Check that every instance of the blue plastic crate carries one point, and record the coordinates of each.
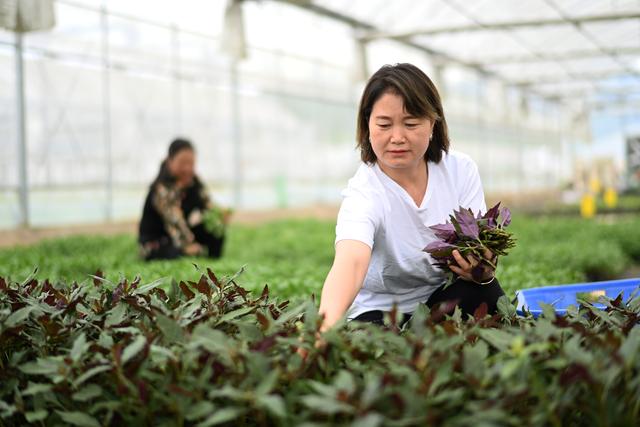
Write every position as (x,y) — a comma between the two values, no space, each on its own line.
(563,296)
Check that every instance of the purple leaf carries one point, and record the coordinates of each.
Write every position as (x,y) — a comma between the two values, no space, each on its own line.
(505,219)
(439,249)
(446,232)
(468,224)
(492,215)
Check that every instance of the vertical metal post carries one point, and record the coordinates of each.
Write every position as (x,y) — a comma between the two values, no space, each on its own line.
(522,117)
(438,76)
(236,135)
(23,189)
(177,79)
(560,172)
(106,108)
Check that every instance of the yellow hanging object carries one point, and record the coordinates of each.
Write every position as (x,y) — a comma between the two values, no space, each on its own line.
(588,206)
(610,198)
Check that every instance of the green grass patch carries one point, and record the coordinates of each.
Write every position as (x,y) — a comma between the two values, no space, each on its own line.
(294,256)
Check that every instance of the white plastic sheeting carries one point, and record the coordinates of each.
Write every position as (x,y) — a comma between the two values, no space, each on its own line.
(297,93)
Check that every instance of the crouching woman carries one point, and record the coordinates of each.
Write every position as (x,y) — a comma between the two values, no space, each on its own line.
(172,219)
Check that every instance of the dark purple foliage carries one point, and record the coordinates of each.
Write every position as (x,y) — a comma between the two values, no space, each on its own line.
(445,232)
(472,235)
(468,223)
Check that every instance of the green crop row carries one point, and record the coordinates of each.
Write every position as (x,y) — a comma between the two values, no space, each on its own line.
(209,352)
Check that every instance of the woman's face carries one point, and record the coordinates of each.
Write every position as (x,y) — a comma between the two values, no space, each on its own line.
(399,140)
(182,166)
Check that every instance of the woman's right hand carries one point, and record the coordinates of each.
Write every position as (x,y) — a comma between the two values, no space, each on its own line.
(320,343)
(193,249)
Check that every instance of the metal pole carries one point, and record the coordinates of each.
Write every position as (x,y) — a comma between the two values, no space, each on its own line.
(236,135)
(106,109)
(22,133)
(176,81)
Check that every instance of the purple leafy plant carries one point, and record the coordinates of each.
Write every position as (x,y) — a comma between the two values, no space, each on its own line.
(472,235)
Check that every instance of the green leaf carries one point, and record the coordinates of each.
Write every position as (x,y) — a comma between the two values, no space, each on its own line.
(576,352)
(292,313)
(369,420)
(505,308)
(250,331)
(146,288)
(344,381)
(90,373)
(170,329)
(116,315)
(42,366)
(324,389)
(191,308)
(6,410)
(133,349)
(18,316)
(80,346)
(371,392)
(497,338)
(629,348)
(474,358)
(266,385)
(110,405)
(221,416)
(36,388)
(87,393)
(105,340)
(78,419)
(200,410)
(34,416)
(163,351)
(274,404)
(509,368)
(212,340)
(235,313)
(325,405)
(548,311)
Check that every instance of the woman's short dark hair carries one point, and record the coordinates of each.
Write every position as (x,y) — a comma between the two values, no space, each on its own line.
(177,145)
(421,99)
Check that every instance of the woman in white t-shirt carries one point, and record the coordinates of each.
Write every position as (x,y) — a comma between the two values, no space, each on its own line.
(409,181)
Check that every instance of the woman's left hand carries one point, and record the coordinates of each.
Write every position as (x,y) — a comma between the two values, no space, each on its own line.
(466,265)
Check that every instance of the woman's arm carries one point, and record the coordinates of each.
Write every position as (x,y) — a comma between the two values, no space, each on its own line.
(344,280)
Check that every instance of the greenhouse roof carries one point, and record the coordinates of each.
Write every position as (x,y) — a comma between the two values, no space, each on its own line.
(559,49)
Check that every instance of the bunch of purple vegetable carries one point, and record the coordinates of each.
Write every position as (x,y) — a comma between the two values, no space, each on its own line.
(472,235)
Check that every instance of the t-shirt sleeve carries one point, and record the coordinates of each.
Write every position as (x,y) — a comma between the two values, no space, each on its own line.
(358,218)
(471,193)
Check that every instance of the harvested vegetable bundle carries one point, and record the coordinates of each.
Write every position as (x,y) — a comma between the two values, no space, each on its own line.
(215,220)
(472,235)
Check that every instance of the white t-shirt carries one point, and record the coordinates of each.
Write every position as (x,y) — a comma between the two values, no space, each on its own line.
(380,213)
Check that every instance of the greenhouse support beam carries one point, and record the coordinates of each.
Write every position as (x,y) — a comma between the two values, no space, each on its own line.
(500,26)
(586,76)
(236,135)
(106,108)
(557,57)
(23,183)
